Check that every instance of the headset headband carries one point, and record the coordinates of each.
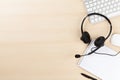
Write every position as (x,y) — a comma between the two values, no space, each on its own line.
(101,16)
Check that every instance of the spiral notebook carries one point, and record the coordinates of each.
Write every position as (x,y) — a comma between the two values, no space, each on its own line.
(103,66)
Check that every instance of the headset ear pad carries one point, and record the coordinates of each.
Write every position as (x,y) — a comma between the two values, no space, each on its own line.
(99,42)
(86,37)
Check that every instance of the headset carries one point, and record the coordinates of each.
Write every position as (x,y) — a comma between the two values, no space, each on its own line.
(99,42)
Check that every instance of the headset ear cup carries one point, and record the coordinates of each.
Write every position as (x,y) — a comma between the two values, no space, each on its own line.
(99,42)
(86,37)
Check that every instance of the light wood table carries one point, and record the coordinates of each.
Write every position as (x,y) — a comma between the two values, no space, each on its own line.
(39,38)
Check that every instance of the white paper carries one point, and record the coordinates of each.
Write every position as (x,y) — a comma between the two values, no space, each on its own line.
(104,66)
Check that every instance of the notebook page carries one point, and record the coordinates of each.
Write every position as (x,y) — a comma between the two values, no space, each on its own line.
(104,66)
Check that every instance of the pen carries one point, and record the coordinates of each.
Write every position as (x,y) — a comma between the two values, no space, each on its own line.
(87,76)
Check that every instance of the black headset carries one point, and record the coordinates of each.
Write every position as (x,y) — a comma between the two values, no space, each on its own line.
(99,42)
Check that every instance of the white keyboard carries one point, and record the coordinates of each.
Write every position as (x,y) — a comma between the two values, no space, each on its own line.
(109,8)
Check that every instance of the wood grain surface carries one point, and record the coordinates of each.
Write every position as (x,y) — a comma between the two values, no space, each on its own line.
(39,38)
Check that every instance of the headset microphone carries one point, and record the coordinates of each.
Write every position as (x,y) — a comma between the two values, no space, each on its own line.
(79,56)
(86,38)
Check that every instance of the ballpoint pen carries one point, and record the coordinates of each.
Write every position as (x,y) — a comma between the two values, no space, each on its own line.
(87,76)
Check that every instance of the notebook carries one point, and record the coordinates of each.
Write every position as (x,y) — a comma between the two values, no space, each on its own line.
(103,66)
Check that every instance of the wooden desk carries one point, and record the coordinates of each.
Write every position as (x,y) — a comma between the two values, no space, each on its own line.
(39,38)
